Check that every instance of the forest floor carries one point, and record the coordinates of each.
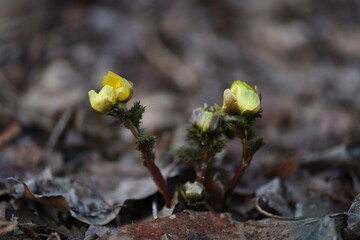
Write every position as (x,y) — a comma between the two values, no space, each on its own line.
(67,172)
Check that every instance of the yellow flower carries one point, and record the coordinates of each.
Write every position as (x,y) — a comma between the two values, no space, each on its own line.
(241,99)
(122,87)
(103,101)
(116,90)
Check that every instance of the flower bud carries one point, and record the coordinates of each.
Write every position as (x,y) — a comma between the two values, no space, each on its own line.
(241,99)
(205,120)
(194,191)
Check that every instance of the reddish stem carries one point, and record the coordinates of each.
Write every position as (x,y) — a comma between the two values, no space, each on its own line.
(159,181)
(245,163)
(153,169)
(236,178)
(205,174)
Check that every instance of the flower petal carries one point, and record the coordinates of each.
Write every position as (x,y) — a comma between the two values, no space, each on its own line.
(122,94)
(122,87)
(241,99)
(249,102)
(241,85)
(230,104)
(94,99)
(103,101)
(112,80)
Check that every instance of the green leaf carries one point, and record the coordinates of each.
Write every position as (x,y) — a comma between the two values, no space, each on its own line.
(145,145)
(255,144)
(135,113)
(188,154)
(215,147)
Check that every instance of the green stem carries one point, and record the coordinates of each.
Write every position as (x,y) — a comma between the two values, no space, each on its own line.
(133,130)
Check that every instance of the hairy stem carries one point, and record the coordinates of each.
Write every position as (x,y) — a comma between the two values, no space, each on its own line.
(151,166)
(133,130)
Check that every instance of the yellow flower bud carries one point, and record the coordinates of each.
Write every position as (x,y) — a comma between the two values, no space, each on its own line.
(122,87)
(103,101)
(204,119)
(241,99)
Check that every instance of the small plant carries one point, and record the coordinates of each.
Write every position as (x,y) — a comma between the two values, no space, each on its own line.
(208,133)
(111,100)
(211,129)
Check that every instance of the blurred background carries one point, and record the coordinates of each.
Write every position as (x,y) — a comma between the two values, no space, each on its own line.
(304,57)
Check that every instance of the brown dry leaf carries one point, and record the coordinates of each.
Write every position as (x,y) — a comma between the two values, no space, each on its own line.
(9,133)
(65,195)
(57,202)
(7,226)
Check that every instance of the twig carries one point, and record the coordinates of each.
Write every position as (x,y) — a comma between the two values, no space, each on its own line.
(270,215)
(10,133)
(154,209)
(320,191)
(159,55)
(60,127)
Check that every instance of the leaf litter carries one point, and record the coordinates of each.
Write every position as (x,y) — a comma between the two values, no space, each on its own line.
(303,57)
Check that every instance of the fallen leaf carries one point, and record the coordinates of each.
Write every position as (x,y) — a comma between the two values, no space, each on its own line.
(65,195)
